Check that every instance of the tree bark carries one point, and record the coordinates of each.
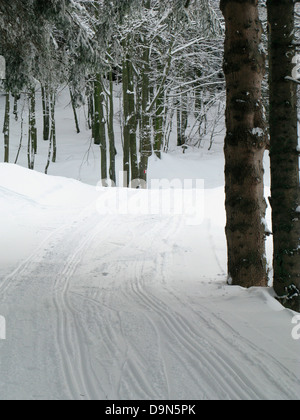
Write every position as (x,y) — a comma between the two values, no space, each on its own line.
(244,67)
(285,188)
(52,150)
(182,121)
(99,126)
(53,127)
(46,113)
(73,103)
(32,120)
(159,126)
(130,122)
(145,144)
(32,129)
(126,128)
(6,128)
(111,133)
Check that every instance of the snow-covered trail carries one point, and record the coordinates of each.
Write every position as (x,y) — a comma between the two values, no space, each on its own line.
(118,307)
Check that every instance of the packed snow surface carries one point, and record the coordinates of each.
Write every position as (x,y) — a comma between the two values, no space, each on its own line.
(101,301)
(125,306)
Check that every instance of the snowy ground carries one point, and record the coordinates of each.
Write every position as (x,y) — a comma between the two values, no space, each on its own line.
(100,305)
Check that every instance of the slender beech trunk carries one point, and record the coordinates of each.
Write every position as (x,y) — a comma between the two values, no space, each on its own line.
(182,122)
(99,125)
(21,135)
(16,99)
(126,127)
(111,134)
(145,145)
(182,114)
(73,103)
(132,121)
(285,190)
(159,125)
(91,116)
(53,127)
(244,67)
(52,151)
(97,110)
(130,160)
(15,111)
(32,130)
(46,112)
(32,120)
(6,128)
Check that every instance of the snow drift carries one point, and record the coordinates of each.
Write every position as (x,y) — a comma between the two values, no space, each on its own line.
(116,306)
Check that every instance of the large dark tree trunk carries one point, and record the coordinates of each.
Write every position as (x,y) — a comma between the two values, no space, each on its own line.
(244,67)
(285,200)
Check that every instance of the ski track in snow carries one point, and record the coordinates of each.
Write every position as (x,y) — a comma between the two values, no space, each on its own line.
(120,338)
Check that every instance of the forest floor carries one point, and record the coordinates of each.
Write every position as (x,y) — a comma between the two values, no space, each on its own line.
(104,304)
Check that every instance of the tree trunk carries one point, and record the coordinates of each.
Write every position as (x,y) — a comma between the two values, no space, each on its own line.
(126,128)
(159,125)
(53,127)
(32,130)
(244,67)
(182,122)
(130,122)
(111,134)
(97,111)
(73,103)
(46,113)
(21,136)
(99,126)
(16,99)
(146,146)
(52,143)
(284,156)
(6,128)
(91,114)
(32,120)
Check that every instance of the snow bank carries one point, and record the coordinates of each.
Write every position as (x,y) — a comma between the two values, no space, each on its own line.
(115,306)
(43,189)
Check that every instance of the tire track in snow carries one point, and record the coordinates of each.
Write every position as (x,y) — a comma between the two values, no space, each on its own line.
(138,269)
(134,363)
(261,357)
(263,360)
(131,361)
(196,349)
(31,283)
(40,252)
(63,242)
(79,373)
(236,384)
